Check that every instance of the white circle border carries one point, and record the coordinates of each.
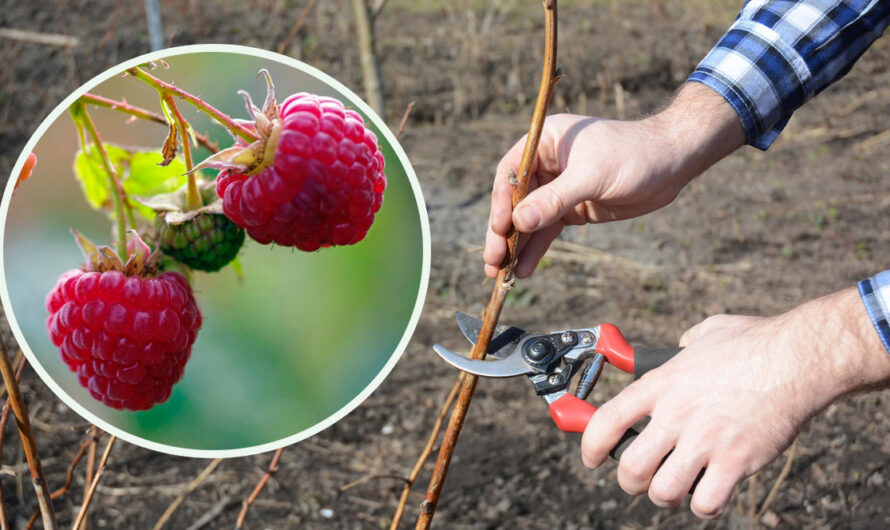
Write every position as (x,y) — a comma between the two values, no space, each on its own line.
(264,54)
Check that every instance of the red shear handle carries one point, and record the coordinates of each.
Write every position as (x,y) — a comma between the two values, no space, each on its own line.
(571,414)
(625,357)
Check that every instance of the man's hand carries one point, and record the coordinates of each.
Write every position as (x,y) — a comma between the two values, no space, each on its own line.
(735,398)
(589,170)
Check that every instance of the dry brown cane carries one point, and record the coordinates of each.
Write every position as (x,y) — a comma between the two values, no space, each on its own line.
(504,282)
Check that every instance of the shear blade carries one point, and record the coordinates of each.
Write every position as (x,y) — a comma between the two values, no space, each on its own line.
(505,340)
(510,366)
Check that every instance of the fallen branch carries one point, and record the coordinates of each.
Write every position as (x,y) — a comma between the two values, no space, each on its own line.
(38,479)
(211,467)
(425,454)
(296,27)
(273,467)
(82,514)
(50,39)
(549,77)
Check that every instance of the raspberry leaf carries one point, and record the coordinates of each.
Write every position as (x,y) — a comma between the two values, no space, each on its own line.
(139,172)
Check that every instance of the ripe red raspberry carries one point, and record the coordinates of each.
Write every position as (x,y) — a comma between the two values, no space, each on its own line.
(324,186)
(313,179)
(127,337)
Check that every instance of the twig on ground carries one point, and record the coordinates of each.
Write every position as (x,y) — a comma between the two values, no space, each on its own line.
(404,120)
(82,514)
(752,499)
(92,438)
(778,483)
(368,478)
(867,97)
(549,77)
(20,361)
(273,467)
(427,450)
(211,467)
(29,444)
(212,513)
(872,143)
(296,27)
(51,39)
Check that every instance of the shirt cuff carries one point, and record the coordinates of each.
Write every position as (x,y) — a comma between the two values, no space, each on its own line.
(875,294)
(760,75)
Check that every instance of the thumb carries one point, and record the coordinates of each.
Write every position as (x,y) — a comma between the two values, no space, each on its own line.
(547,204)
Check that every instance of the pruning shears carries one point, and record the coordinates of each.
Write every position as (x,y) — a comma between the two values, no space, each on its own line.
(551,360)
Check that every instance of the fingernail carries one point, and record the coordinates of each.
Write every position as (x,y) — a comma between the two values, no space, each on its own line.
(528,217)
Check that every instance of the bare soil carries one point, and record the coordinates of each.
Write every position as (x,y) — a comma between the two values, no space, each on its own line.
(757,234)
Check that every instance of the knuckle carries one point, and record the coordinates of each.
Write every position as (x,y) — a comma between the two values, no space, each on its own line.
(635,473)
(609,414)
(632,481)
(709,508)
(667,489)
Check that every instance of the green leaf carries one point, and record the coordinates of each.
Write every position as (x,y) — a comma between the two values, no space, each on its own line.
(89,170)
(139,172)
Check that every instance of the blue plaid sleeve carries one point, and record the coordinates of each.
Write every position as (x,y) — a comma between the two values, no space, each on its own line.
(780,53)
(875,293)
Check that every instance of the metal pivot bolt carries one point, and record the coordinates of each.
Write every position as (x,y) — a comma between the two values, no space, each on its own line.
(539,351)
(567,337)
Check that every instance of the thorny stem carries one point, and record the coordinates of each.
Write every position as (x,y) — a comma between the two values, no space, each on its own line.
(137,112)
(164,88)
(81,115)
(88,474)
(4,418)
(550,75)
(425,454)
(273,467)
(91,438)
(81,515)
(193,197)
(29,444)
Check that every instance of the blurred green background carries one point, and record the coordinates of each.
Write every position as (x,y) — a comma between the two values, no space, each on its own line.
(302,334)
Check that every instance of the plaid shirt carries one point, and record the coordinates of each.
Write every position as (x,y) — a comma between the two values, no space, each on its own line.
(780,53)
(775,57)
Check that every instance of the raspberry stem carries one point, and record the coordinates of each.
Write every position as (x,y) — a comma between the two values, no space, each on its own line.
(165,88)
(138,112)
(549,76)
(80,115)
(193,198)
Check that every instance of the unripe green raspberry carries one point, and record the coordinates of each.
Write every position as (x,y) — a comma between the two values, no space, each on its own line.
(207,242)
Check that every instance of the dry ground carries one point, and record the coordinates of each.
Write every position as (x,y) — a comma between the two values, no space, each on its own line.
(757,234)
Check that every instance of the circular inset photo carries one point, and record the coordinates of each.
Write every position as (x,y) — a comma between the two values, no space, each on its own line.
(213,251)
